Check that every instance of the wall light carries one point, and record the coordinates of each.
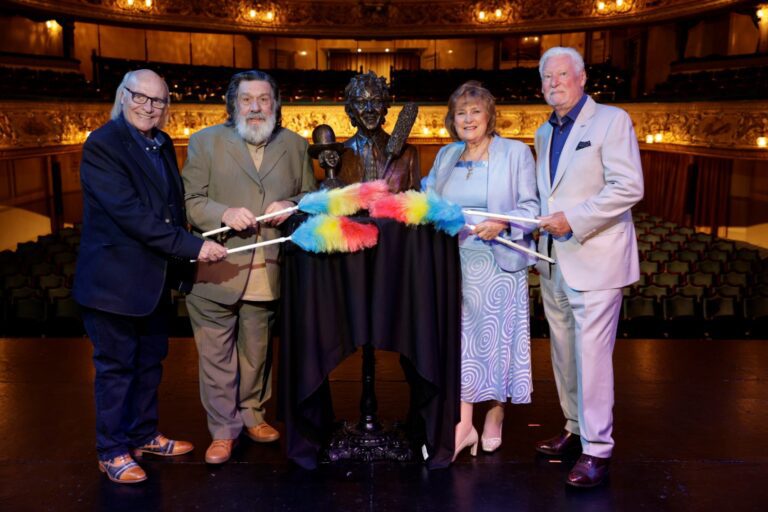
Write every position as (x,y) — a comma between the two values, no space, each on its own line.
(52,25)
(613,7)
(186,132)
(481,15)
(303,53)
(658,137)
(649,139)
(497,13)
(269,16)
(252,13)
(135,5)
(762,13)
(762,142)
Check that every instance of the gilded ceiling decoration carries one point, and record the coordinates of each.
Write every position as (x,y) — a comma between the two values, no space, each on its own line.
(728,129)
(375,18)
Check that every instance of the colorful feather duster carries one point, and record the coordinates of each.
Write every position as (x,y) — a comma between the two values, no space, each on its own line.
(414,208)
(339,201)
(325,233)
(344,201)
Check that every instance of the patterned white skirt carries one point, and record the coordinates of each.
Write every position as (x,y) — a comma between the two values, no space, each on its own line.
(495,331)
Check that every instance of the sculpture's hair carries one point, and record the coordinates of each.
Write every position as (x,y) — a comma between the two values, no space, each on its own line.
(556,51)
(129,80)
(475,91)
(377,84)
(249,76)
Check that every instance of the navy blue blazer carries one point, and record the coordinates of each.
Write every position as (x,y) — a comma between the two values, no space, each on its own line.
(134,224)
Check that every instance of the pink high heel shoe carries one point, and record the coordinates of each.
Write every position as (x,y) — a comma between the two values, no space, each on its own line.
(490,444)
(470,440)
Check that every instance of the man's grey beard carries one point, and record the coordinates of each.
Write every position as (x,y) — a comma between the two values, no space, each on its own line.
(259,133)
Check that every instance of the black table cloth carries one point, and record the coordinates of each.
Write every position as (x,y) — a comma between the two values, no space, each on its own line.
(403,295)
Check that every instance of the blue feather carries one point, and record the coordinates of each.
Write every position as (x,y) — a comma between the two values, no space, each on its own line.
(306,235)
(445,215)
(315,202)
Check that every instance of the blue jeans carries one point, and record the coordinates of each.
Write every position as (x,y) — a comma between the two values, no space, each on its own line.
(127,354)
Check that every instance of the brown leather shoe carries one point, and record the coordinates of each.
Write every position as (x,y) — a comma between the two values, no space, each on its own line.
(164,447)
(122,470)
(561,444)
(219,451)
(262,433)
(589,471)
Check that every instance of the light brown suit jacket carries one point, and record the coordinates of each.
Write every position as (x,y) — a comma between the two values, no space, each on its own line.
(218,174)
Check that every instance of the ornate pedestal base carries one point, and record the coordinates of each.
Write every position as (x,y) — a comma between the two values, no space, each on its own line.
(349,442)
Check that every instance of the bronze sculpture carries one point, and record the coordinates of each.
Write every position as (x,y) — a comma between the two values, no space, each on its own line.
(367,100)
(328,153)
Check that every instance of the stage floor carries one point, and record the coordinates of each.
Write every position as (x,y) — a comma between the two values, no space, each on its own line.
(691,420)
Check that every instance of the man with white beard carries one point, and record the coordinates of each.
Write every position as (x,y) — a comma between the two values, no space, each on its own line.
(234,172)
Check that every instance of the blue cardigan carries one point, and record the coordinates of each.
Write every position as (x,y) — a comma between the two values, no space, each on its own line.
(511,191)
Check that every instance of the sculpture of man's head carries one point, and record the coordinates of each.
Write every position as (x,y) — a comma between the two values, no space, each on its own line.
(325,148)
(366,101)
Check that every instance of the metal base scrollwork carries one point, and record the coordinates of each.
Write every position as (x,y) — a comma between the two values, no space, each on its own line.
(350,442)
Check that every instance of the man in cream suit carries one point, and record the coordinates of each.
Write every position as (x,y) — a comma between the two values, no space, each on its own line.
(235,171)
(589,176)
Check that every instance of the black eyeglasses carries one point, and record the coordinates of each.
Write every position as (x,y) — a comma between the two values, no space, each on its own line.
(141,99)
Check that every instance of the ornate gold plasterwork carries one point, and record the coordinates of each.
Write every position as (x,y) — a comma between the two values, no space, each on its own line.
(376,18)
(728,128)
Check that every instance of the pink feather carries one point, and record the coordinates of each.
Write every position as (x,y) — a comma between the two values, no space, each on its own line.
(372,191)
(389,207)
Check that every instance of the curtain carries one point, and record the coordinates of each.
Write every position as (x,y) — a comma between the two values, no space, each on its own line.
(379,63)
(713,191)
(408,61)
(342,61)
(668,185)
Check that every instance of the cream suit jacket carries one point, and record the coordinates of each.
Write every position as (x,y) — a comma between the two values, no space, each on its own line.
(596,184)
(218,174)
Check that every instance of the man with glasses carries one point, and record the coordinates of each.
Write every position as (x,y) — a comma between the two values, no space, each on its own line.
(366,103)
(133,249)
(234,172)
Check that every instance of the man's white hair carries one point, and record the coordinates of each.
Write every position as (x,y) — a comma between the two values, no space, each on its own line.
(130,78)
(556,51)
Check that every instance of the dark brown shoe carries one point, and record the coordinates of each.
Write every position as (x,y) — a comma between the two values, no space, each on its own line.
(561,444)
(589,471)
